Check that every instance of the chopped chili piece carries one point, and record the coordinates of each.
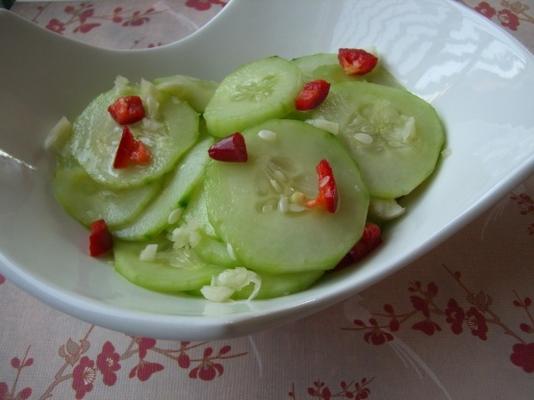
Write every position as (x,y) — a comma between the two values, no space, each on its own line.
(100,239)
(312,94)
(230,149)
(127,110)
(131,151)
(327,196)
(356,61)
(370,240)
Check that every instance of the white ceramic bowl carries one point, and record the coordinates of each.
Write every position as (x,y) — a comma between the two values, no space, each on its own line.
(478,77)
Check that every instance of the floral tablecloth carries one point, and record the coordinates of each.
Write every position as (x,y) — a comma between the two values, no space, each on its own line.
(456,324)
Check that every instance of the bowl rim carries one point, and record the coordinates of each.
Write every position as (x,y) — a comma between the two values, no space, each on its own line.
(230,325)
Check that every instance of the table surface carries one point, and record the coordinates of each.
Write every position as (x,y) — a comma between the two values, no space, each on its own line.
(456,324)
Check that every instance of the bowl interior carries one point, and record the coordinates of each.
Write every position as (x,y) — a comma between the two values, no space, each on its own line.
(472,72)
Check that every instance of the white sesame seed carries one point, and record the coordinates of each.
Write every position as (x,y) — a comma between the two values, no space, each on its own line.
(179,237)
(149,253)
(296,208)
(276,186)
(283,204)
(297,198)
(363,138)
(194,238)
(329,126)
(174,216)
(279,175)
(267,135)
(267,208)
(394,143)
(446,152)
(230,251)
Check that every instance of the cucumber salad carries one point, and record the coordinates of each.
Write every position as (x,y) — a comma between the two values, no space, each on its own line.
(253,187)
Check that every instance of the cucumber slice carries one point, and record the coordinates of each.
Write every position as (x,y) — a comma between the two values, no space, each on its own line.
(334,74)
(96,137)
(242,201)
(253,93)
(196,92)
(214,251)
(179,185)
(173,270)
(87,201)
(310,63)
(210,248)
(197,211)
(395,137)
(326,66)
(277,285)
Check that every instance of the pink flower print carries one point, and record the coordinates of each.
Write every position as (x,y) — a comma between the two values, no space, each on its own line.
(83,376)
(107,363)
(485,9)
(55,25)
(522,356)
(508,19)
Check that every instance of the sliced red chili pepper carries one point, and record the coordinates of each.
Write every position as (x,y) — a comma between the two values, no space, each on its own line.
(356,61)
(370,240)
(230,149)
(327,196)
(131,151)
(312,94)
(127,110)
(100,239)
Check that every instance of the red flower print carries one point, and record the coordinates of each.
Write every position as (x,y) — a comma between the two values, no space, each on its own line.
(83,376)
(427,326)
(137,18)
(2,279)
(420,305)
(107,363)
(86,14)
(184,361)
(485,9)
(320,391)
(522,356)
(508,19)
(144,344)
(477,323)
(84,28)
(394,324)
(377,336)
(208,369)
(144,370)
(55,25)
(203,5)
(4,391)
(455,316)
